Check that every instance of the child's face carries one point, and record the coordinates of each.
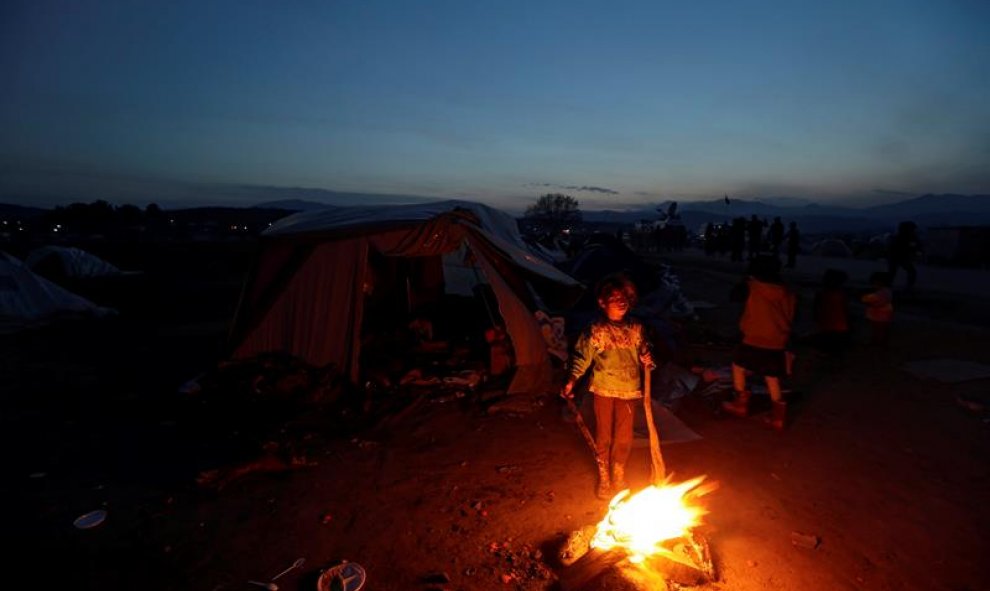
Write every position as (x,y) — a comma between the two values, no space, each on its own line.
(615,305)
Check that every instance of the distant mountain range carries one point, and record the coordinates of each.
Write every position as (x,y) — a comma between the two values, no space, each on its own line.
(926,210)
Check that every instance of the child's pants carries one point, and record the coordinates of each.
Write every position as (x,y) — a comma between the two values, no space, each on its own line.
(614,417)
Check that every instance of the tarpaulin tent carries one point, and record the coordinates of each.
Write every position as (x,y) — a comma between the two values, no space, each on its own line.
(304,295)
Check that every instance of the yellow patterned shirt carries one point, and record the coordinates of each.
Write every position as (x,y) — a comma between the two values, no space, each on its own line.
(611,350)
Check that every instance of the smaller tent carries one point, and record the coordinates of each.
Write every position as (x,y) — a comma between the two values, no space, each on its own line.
(308,292)
(61,261)
(27,298)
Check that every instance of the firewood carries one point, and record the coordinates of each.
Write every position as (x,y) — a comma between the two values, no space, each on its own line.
(589,567)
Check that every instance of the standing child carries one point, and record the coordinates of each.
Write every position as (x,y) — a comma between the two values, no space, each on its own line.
(614,348)
(832,312)
(766,327)
(879,308)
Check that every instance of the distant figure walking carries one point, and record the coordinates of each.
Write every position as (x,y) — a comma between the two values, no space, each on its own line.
(755,231)
(793,244)
(903,248)
(766,328)
(879,308)
(709,239)
(776,236)
(738,238)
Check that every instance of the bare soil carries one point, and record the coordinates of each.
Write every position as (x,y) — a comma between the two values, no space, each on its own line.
(889,471)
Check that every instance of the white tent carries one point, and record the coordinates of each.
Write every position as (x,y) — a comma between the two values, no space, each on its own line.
(27,298)
(70,262)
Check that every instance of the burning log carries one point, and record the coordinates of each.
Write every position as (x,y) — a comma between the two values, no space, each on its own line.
(589,568)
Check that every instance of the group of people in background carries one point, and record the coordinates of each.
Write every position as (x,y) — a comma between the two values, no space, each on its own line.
(753,237)
(767,320)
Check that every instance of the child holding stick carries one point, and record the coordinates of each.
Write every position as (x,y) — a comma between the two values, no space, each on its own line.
(613,348)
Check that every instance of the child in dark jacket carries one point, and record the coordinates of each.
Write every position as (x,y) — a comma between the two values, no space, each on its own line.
(766,327)
(614,349)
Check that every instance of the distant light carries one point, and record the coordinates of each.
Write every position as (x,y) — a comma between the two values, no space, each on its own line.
(55,229)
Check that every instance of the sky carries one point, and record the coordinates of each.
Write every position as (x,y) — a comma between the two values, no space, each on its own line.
(618,104)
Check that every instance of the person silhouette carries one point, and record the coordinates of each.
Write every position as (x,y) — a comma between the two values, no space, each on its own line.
(904,246)
(776,235)
(793,244)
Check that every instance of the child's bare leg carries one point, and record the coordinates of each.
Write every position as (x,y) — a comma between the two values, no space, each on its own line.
(773,385)
(739,406)
(738,378)
(778,414)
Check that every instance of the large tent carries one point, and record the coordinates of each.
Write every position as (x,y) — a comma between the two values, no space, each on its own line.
(305,293)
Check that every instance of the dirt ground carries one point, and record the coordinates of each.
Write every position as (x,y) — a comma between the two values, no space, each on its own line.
(889,471)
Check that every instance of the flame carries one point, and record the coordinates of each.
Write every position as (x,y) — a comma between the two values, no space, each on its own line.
(642,522)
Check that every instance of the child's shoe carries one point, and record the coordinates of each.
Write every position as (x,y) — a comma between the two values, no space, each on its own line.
(740,406)
(778,416)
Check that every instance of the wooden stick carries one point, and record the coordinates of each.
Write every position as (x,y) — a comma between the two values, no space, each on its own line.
(658,470)
(583,427)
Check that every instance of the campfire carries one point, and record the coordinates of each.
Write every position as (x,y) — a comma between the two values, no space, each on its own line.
(649,540)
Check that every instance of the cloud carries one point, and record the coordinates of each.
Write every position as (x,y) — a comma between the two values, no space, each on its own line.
(585,188)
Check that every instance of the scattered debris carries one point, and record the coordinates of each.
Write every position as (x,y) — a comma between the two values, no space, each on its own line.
(519,565)
(296,564)
(273,461)
(970,404)
(518,404)
(90,520)
(802,540)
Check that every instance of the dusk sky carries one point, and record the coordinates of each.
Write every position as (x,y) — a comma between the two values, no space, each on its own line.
(615,103)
